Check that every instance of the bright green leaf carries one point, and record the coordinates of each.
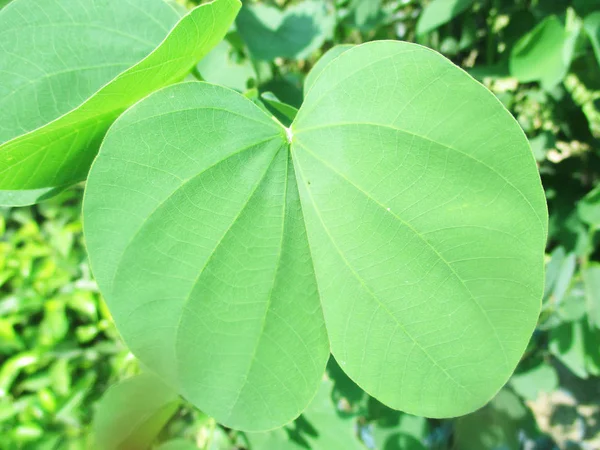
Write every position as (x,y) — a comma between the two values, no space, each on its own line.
(132,413)
(293,33)
(419,247)
(439,12)
(67,76)
(329,56)
(544,54)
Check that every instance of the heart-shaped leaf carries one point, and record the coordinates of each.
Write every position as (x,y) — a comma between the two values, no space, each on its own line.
(294,33)
(68,68)
(400,221)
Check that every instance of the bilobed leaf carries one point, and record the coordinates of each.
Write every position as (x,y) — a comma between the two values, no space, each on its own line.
(292,33)
(132,413)
(439,12)
(403,227)
(69,68)
(544,54)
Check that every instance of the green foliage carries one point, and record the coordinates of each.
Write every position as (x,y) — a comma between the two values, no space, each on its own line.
(58,346)
(238,149)
(540,59)
(59,99)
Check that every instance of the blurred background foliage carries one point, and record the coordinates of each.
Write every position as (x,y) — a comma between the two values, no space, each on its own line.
(60,353)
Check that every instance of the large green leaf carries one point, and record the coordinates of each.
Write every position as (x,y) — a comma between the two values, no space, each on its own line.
(439,12)
(544,54)
(293,33)
(407,218)
(70,67)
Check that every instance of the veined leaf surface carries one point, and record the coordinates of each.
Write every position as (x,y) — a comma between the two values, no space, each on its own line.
(399,222)
(68,68)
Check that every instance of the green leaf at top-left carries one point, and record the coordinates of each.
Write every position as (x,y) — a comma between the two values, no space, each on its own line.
(69,68)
